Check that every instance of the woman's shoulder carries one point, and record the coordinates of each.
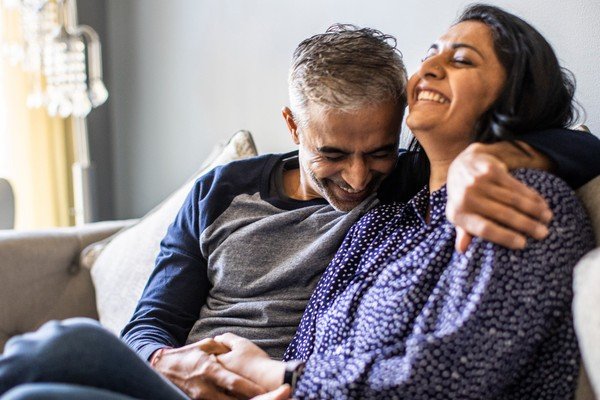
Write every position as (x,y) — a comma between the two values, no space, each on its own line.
(551,187)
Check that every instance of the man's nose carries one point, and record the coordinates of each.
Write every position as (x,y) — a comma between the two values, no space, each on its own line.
(357,174)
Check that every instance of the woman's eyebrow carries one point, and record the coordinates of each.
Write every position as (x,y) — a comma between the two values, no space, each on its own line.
(468,46)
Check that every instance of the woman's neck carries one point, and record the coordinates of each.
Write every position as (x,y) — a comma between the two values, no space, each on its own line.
(438,173)
(440,154)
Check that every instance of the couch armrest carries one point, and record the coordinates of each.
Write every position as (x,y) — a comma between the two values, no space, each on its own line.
(42,278)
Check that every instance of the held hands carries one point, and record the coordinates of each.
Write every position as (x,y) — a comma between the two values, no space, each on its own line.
(195,370)
(484,200)
(249,360)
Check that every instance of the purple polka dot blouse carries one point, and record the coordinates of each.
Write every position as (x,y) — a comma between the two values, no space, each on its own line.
(399,314)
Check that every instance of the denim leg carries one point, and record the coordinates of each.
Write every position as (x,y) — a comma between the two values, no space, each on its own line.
(79,351)
(60,391)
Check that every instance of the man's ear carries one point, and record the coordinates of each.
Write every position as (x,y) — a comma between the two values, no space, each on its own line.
(291,124)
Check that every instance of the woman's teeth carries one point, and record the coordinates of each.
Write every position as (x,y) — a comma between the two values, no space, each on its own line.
(432,96)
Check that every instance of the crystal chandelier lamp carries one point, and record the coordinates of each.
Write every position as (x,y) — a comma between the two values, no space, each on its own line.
(65,62)
(65,59)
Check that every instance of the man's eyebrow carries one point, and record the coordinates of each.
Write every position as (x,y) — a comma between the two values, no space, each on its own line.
(331,149)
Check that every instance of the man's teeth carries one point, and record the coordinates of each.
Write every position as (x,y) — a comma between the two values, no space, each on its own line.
(349,190)
(431,96)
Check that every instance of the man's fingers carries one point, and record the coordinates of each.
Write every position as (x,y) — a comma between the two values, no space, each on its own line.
(206,391)
(490,231)
(516,194)
(506,216)
(234,383)
(211,346)
(281,393)
(463,239)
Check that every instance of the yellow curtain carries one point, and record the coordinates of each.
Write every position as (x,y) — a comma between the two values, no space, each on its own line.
(38,148)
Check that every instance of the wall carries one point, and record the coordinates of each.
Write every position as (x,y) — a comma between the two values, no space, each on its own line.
(186,74)
(93,13)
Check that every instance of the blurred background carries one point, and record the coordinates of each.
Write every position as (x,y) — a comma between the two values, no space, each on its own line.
(184,75)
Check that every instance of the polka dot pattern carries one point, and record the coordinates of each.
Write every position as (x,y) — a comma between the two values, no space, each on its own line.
(399,314)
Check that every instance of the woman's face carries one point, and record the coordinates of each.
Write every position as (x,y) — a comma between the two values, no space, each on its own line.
(457,82)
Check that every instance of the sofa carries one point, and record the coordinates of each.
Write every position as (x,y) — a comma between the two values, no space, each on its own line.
(99,270)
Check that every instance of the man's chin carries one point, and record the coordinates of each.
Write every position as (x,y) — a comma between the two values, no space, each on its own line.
(343,206)
(344,203)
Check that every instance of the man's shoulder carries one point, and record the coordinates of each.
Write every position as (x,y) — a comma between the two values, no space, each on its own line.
(240,174)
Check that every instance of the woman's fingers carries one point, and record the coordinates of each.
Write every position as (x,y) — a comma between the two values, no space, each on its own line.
(281,393)
(235,384)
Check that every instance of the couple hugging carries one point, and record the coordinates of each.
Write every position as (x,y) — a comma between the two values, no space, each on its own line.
(349,269)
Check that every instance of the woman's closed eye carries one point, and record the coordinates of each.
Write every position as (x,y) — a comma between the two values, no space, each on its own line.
(462,61)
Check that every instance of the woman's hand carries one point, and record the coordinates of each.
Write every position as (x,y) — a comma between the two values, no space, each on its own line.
(249,360)
(282,393)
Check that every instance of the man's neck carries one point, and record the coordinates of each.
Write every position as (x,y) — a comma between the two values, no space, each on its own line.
(294,187)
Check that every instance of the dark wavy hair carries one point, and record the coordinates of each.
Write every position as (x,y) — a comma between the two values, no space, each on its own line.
(538,92)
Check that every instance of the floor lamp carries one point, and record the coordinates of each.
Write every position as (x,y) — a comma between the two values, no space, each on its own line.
(66,61)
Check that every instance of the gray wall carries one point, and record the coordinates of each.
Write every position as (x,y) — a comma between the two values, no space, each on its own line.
(186,74)
(93,13)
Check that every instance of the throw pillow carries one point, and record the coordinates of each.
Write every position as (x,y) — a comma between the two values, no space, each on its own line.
(125,262)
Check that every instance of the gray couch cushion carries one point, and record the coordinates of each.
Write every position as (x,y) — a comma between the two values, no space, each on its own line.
(124,265)
(41,279)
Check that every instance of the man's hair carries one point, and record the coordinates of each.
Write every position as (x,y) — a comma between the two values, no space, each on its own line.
(346,68)
(538,92)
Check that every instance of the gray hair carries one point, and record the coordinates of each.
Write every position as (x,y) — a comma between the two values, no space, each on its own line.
(346,68)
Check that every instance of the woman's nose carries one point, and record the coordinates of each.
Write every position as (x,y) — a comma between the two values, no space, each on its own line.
(432,68)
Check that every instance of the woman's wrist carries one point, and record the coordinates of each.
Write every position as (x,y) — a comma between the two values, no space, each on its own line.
(269,374)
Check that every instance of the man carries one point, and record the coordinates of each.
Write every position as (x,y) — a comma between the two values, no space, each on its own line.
(253,237)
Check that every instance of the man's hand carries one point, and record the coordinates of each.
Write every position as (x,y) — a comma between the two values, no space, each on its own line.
(484,200)
(250,361)
(195,370)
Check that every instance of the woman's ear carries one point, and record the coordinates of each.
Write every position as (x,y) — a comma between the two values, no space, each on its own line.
(291,124)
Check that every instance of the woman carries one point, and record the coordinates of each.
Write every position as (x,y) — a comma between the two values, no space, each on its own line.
(400,314)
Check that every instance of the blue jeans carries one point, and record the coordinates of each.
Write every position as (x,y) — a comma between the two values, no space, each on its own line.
(77,358)
(63,391)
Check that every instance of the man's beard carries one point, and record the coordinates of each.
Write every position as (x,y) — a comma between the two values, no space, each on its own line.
(339,204)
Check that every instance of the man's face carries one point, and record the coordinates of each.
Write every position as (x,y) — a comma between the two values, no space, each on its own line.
(344,156)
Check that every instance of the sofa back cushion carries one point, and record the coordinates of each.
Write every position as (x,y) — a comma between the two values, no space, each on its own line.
(122,265)
(587,299)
